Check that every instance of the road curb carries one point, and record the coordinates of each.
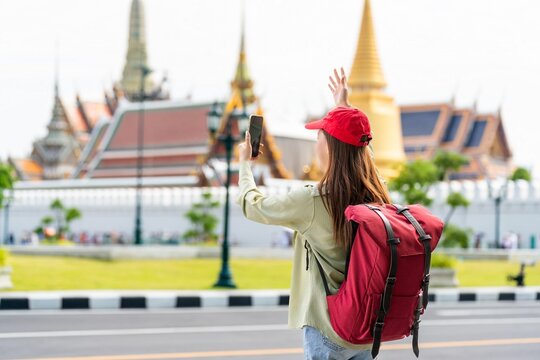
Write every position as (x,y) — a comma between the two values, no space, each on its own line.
(160,299)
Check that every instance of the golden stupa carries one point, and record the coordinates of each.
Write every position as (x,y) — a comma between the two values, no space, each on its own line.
(367,85)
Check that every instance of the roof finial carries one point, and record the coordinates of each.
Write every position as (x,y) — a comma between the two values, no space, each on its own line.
(501,103)
(242,81)
(454,94)
(475,103)
(366,71)
(56,70)
(136,57)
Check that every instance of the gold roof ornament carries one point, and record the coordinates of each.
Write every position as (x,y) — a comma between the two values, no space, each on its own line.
(243,97)
(136,57)
(242,80)
(367,82)
(366,72)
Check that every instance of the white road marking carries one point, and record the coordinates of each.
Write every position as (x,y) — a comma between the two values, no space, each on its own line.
(478,312)
(143,311)
(240,328)
(144,331)
(434,308)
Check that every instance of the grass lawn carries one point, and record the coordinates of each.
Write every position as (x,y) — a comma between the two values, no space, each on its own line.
(494,273)
(63,273)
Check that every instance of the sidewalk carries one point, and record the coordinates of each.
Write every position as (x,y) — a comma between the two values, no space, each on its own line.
(169,299)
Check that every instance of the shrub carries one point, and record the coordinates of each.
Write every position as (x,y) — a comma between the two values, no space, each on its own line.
(521,174)
(454,236)
(4,257)
(203,222)
(442,261)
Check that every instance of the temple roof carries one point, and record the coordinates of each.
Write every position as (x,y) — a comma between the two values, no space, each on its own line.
(26,169)
(481,137)
(175,138)
(243,97)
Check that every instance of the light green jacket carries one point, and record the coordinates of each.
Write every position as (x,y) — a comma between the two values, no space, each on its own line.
(301,210)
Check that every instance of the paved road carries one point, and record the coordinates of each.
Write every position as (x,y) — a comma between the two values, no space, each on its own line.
(460,331)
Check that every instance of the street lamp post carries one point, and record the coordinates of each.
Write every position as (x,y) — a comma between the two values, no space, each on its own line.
(6,218)
(140,139)
(228,139)
(501,194)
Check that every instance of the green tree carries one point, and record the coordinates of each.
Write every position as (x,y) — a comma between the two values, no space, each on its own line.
(454,236)
(448,161)
(58,208)
(46,220)
(414,181)
(7,179)
(521,173)
(455,200)
(202,220)
(417,177)
(70,215)
(63,217)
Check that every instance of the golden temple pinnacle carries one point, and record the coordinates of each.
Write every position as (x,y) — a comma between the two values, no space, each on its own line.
(242,80)
(366,72)
(136,56)
(368,84)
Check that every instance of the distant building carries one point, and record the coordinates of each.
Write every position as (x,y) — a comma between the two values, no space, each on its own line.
(91,140)
(412,132)
(56,155)
(176,139)
(479,136)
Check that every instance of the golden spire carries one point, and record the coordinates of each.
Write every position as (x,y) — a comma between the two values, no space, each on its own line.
(366,70)
(136,56)
(242,80)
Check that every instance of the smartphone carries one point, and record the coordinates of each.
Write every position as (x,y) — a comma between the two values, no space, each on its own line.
(255,131)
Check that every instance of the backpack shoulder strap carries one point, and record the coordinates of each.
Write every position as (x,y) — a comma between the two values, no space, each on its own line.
(390,281)
(347,261)
(422,303)
(425,240)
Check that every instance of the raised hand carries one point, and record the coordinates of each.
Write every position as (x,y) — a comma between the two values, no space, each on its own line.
(338,87)
(244,149)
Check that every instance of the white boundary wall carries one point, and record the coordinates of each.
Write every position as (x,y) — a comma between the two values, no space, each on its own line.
(113,209)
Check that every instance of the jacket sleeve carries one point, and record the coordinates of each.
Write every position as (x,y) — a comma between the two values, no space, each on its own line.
(293,209)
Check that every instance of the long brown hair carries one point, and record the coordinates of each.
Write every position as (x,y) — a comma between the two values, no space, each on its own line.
(351,178)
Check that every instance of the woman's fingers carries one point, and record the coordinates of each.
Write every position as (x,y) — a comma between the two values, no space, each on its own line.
(337,76)
(332,82)
(331,88)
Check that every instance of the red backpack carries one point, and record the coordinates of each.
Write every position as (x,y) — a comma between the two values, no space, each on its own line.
(385,289)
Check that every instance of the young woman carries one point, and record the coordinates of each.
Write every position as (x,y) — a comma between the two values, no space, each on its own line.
(317,216)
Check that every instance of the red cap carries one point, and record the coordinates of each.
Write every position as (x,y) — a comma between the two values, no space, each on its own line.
(346,124)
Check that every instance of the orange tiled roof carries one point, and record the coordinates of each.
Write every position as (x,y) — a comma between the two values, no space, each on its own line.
(27,169)
(95,110)
(76,119)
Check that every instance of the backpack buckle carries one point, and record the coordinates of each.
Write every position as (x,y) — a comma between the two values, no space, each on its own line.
(426,279)
(393,241)
(401,209)
(379,325)
(425,237)
(391,280)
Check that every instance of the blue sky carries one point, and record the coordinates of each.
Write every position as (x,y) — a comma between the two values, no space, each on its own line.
(483,50)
